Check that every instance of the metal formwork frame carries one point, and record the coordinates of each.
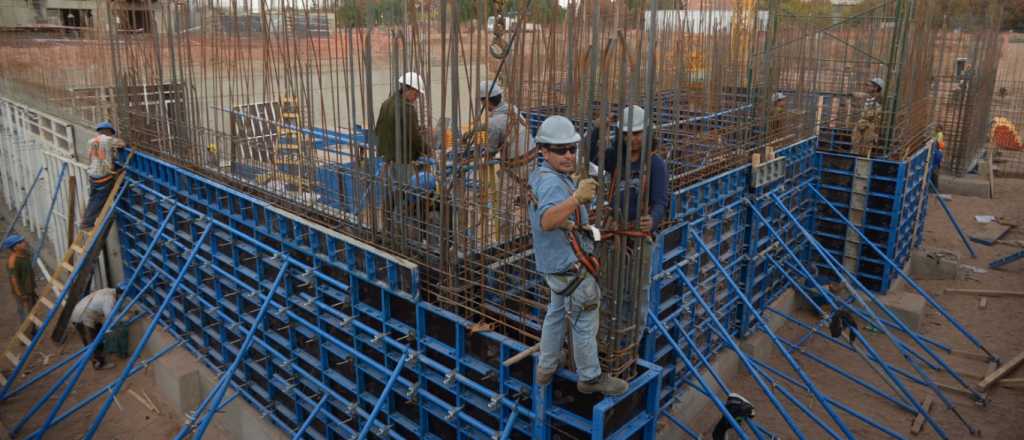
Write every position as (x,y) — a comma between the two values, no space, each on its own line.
(361,307)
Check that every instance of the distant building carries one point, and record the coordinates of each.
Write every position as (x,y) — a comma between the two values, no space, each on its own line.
(128,15)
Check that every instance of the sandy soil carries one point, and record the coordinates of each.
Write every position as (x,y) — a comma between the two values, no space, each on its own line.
(126,419)
(999,326)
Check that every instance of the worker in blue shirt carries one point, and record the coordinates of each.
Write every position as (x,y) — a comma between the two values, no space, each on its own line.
(631,128)
(562,256)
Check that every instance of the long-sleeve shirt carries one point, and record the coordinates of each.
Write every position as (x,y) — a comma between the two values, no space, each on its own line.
(629,187)
(398,131)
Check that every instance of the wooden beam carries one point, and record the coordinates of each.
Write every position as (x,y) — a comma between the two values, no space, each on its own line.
(985,292)
(1003,370)
(915,428)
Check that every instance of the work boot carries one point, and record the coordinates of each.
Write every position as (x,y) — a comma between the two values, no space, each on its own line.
(604,384)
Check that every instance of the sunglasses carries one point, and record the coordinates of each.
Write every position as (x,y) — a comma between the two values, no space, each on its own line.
(561,151)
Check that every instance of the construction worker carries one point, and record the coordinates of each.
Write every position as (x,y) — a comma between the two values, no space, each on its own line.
(563,257)
(631,127)
(21,274)
(940,146)
(498,140)
(88,317)
(399,137)
(102,149)
(497,127)
(865,131)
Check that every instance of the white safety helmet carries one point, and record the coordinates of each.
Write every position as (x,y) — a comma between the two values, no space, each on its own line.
(412,79)
(879,82)
(778,96)
(486,91)
(632,119)
(557,130)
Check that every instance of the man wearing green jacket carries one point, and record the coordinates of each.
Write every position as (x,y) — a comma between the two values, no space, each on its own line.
(399,138)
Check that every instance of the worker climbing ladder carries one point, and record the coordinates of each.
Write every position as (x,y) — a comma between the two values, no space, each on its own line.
(64,287)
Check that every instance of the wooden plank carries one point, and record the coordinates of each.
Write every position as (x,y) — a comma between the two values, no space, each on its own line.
(78,249)
(67,266)
(11,357)
(985,292)
(915,428)
(1003,370)
(24,339)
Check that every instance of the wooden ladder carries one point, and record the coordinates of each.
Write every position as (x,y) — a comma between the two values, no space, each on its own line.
(76,255)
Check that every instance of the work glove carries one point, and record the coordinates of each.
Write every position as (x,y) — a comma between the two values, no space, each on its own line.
(585,191)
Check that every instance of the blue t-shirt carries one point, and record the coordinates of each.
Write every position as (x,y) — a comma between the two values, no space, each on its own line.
(551,249)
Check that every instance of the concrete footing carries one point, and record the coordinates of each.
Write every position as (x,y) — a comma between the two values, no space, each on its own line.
(184,382)
(932,264)
(972,185)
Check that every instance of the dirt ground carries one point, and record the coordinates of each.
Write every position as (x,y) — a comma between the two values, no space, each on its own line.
(126,419)
(1000,327)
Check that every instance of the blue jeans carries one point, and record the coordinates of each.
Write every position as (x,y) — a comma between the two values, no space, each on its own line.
(582,309)
(98,193)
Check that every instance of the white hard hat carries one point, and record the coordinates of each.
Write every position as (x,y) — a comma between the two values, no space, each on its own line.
(878,82)
(632,119)
(486,91)
(412,79)
(557,130)
(778,96)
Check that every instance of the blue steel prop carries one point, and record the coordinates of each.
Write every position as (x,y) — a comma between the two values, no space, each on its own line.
(68,283)
(24,202)
(740,354)
(952,219)
(700,378)
(850,278)
(383,397)
(75,372)
(1003,261)
(401,382)
(913,284)
(116,387)
(815,331)
(767,330)
(49,211)
(99,392)
(309,420)
(888,376)
(217,394)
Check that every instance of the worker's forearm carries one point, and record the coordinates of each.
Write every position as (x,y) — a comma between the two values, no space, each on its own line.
(555,216)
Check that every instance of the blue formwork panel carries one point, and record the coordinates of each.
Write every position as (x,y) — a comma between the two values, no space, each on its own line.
(885,199)
(717,210)
(344,316)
